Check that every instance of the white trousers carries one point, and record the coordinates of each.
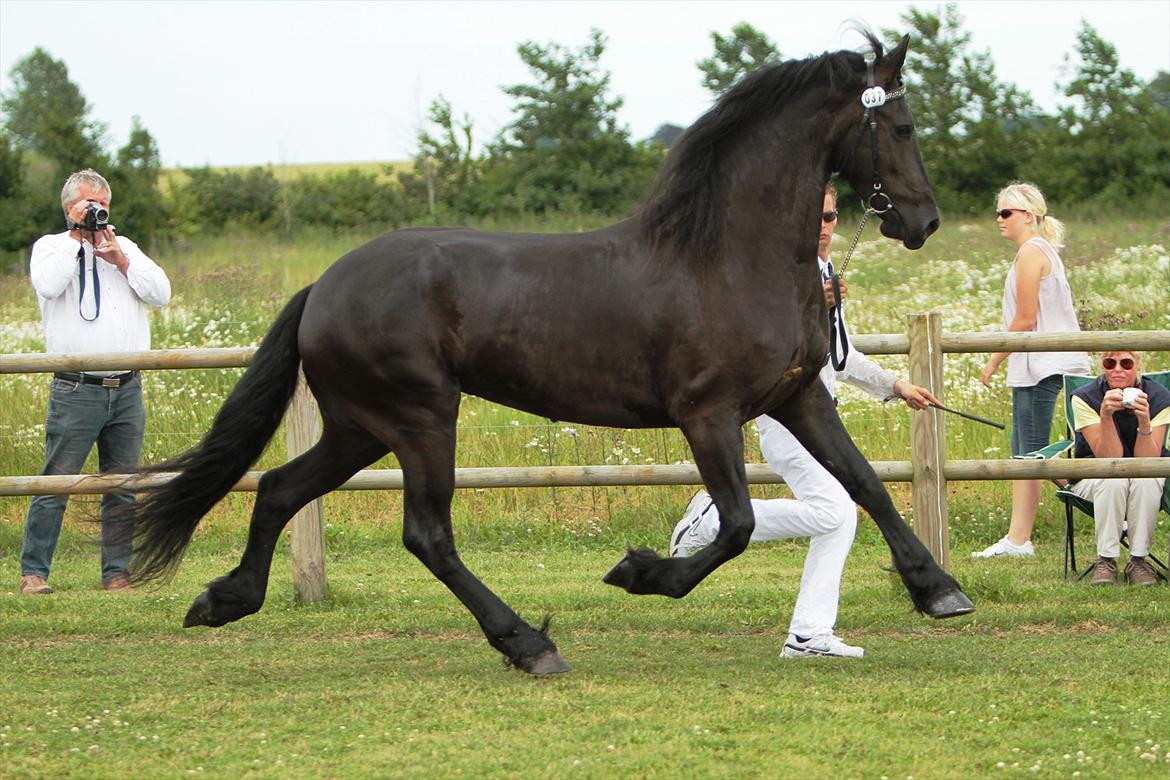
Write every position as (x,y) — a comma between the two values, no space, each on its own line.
(821,509)
(1119,500)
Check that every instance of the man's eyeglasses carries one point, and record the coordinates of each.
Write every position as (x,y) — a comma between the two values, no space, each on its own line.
(829,216)
(1005,213)
(1111,363)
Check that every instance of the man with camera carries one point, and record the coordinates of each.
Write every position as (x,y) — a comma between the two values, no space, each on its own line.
(94,289)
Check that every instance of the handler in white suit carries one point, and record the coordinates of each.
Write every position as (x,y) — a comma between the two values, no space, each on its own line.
(821,508)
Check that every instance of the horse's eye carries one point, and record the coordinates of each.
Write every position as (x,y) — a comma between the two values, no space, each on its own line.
(904,131)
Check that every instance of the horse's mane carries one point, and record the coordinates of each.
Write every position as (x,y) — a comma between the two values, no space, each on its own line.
(682,208)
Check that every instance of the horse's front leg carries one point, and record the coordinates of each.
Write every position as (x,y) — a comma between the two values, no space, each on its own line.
(718,449)
(811,417)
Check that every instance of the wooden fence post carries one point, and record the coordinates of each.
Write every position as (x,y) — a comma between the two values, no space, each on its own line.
(928,452)
(302,430)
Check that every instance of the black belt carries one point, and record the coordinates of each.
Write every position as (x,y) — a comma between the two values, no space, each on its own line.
(117,380)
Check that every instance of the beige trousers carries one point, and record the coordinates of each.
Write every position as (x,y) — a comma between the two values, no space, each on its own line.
(1123,503)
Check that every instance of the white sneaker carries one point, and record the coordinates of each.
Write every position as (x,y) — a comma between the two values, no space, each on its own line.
(688,536)
(1005,547)
(811,647)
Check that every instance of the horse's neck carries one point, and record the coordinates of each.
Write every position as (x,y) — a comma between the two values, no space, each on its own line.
(776,191)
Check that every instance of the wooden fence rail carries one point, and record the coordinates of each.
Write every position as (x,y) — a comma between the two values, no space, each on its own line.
(928,469)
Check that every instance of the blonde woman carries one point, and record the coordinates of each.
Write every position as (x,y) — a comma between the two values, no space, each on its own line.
(1036,298)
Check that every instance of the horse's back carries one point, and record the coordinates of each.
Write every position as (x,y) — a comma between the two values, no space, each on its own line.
(557,324)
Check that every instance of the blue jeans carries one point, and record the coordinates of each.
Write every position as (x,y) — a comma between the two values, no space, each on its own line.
(1032,409)
(80,415)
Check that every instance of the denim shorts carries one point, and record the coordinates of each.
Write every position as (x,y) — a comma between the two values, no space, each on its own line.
(1032,410)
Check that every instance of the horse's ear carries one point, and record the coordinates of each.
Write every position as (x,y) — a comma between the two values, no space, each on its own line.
(891,64)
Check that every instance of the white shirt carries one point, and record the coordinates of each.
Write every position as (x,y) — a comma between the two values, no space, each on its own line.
(1054,313)
(122,325)
(860,371)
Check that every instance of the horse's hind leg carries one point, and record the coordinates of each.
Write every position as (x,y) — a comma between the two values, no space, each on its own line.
(428,461)
(339,454)
(812,420)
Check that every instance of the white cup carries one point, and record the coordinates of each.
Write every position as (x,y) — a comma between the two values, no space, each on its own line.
(1128,396)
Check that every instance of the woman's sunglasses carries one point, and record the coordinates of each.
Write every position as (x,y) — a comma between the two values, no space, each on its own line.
(829,216)
(1111,363)
(1005,213)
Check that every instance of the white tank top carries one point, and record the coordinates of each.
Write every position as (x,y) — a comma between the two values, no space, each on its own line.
(1055,314)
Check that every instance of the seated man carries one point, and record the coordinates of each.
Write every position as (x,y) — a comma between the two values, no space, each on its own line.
(1122,415)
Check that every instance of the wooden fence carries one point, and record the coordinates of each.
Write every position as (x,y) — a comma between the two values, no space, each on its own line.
(928,469)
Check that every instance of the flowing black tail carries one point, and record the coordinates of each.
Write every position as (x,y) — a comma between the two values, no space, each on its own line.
(166,515)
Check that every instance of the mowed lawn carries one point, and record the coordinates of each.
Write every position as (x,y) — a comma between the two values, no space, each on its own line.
(390,677)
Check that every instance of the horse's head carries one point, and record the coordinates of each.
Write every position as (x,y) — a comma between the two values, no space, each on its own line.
(877,150)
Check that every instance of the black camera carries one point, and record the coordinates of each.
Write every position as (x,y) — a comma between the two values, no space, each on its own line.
(96,218)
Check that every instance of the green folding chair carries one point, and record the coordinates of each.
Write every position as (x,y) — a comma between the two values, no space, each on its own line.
(1071,500)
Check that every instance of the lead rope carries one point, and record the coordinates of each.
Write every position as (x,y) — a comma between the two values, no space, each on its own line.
(838,343)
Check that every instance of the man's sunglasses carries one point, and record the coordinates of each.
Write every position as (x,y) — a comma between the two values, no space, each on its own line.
(829,216)
(1111,363)
(1005,213)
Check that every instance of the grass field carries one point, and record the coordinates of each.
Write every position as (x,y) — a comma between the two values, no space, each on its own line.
(391,678)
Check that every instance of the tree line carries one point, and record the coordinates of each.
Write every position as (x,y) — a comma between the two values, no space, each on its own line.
(564,151)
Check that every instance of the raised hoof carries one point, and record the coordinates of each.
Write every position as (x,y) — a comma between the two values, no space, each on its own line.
(547,663)
(621,575)
(950,604)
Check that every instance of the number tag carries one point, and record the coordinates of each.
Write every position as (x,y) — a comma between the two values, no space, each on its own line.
(874,97)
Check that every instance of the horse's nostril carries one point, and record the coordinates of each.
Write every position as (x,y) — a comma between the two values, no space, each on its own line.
(933,226)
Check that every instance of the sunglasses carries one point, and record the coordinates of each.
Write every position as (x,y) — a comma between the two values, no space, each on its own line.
(829,216)
(1111,363)
(1005,213)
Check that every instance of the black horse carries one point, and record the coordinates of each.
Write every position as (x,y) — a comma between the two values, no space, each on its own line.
(702,312)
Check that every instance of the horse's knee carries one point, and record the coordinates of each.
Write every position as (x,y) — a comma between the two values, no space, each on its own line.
(434,549)
(736,534)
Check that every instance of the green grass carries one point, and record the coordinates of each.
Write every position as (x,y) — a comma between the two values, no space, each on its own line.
(390,677)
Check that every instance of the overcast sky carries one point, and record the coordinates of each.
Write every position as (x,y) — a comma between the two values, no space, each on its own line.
(243,83)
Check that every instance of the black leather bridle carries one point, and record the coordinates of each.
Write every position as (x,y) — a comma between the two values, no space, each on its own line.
(878,202)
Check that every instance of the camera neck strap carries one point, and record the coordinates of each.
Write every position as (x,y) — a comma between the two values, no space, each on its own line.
(97,288)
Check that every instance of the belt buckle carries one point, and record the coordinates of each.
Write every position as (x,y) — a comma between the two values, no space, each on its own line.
(111,381)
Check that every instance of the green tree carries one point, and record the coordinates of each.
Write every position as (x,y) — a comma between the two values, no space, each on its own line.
(445,169)
(18,223)
(212,200)
(345,199)
(1115,136)
(736,55)
(140,212)
(565,150)
(46,113)
(1158,90)
(975,132)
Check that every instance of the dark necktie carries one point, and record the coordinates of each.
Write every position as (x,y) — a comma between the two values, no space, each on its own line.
(838,342)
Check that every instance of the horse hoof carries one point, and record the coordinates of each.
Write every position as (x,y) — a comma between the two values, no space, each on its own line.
(950,604)
(548,663)
(621,575)
(200,612)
